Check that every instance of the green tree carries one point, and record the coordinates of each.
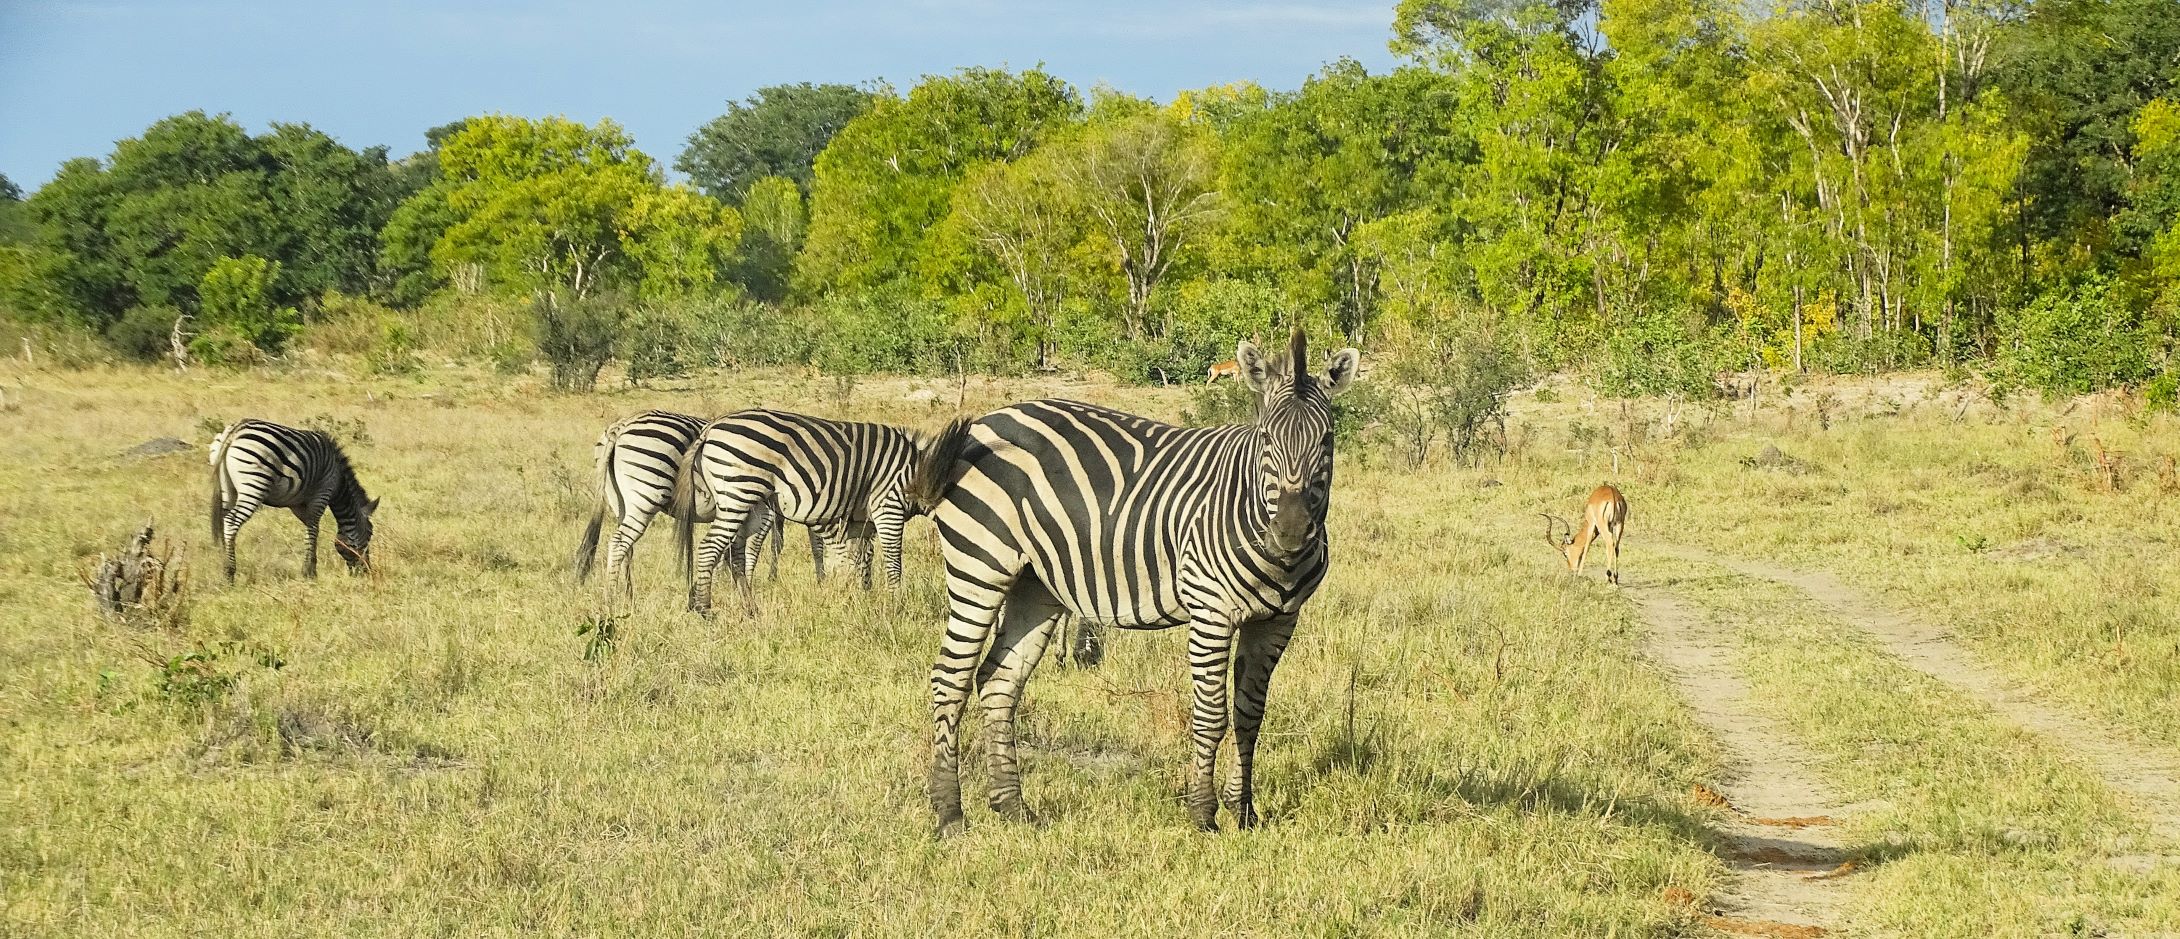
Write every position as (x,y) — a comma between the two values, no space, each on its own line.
(148,224)
(1301,177)
(1025,219)
(779,131)
(551,207)
(236,298)
(888,177)
(1147,183)
(775,221)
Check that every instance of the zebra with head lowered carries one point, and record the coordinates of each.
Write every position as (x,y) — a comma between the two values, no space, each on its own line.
(638,458)
(845,480)
(260,463)
(1053,508)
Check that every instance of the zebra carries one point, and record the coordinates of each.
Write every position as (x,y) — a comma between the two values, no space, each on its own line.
(1055,508)
(638,459)
(844,480)
(258,463)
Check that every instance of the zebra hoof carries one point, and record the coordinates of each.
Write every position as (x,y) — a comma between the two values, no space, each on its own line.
(1245,818)
(949,828)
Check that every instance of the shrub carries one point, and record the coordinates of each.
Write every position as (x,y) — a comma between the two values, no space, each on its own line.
(657,343)
(226,345)
(144,333)
(1657,353)
(577,337)
(2074,339)
(236,296)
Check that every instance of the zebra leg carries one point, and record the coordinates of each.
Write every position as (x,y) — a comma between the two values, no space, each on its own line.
(717,540)
(1026,625)
(762,522)
(972,611)
(1257,653)
(623,544)
(309,516)
(891,524)
(237,515)
(1210,645)
(1088,649)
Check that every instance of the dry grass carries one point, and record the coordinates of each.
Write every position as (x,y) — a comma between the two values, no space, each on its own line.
(440,751)
(444,748)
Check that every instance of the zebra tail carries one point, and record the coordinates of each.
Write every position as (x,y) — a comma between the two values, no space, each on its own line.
(686,479)
(219,487)
(586,552)
(934,476)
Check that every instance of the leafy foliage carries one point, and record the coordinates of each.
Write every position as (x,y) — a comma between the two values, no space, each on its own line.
(777,132)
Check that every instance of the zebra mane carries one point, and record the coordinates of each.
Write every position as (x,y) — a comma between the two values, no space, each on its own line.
(351,488)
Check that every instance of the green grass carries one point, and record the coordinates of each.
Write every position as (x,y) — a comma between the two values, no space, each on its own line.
(438,756)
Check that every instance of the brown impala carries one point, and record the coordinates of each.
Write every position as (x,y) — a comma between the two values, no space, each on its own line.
(1604,517)
(1226,369)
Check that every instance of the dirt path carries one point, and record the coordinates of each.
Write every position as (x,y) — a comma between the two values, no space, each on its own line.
(2145,776)
(1776,856)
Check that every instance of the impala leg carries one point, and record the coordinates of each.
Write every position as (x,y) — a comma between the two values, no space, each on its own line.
(1026,626)
(1256,654)
(1210,646)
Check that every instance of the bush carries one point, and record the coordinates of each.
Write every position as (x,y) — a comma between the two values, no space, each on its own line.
(577,338)
(1209,319)
(226,345)
(2073,340)
(144,333)
(236,296)
(657,343)
(1659,354)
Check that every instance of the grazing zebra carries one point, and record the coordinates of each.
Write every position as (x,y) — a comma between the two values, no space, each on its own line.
(259,463)
(638,459)
(844,480)
(1057,508)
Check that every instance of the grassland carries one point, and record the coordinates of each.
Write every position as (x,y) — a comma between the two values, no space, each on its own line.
(1462,740)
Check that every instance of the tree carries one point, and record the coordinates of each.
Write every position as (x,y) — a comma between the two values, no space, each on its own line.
(1146,182)
(779,131)
(887,178)
(1301,177)
(551,207)
(236,298)
(775,223)
(1024,218)
(146,226)
(2079,71)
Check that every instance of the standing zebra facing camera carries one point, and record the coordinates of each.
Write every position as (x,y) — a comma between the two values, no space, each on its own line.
(1057,508)
(260,463)
(638,458)
(845,480)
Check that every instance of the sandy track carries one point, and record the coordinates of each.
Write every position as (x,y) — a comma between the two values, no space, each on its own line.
(2146,776)
(1774,777)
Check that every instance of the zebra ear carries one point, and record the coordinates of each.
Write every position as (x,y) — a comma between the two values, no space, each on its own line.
(371,506)
(1340,375)
(1255,369)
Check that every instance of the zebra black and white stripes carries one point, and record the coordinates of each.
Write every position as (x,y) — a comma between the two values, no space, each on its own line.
(845,480)
(260,463)
(638,459)
(1053,508)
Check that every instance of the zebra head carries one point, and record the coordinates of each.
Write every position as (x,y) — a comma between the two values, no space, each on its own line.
(353,541)
(1294,425)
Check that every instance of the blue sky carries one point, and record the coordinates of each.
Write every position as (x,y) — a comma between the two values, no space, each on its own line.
(76,75)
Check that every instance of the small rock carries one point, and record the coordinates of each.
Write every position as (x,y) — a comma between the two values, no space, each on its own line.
(1773,458)
(1488,484)
(156,447)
